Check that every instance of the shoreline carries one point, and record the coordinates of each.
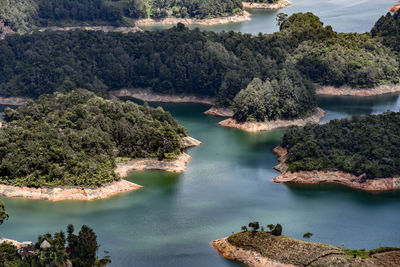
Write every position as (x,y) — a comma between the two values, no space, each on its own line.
(148,96)
(247,257)
(280,4)
(331,177)
(259,249)
(245,16)
(62,193)
(13,100)
(69,193)
(348,91)
(121,29)
(253,127)
(219,112)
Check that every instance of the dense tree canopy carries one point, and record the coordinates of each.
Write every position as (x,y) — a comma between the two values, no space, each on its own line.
(358,145)
(81,251)
(73,139)
(388,28)
(23,15)
(180,60)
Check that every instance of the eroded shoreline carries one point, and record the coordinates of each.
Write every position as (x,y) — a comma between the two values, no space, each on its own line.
(61,193)
(245,16)
(148,96)
(247,257)
(253,127)
(260,249)
(348,91)
(280,4)
(333,177)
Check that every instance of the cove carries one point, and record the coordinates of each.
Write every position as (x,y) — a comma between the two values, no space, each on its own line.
(344,16)
(173,219)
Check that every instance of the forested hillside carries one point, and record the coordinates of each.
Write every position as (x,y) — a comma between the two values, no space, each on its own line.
(73,139)
(180,60)
(388,28)
(361,144)
(24,15)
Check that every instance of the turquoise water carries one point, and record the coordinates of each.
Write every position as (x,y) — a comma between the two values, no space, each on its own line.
(343,15)
(173,219)
(228,183)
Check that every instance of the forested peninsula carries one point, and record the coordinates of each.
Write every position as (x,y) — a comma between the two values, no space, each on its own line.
(262,248)
(262,78)
(360,152)
(79,146)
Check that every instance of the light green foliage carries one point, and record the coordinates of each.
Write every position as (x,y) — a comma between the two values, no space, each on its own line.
(19,14)
(73,139)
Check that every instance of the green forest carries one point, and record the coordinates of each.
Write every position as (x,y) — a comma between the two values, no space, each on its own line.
(175,61)
(25,15)
(73,139)
(360,145)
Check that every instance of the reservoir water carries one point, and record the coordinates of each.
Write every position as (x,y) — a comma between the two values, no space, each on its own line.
(173,219)
(342,15)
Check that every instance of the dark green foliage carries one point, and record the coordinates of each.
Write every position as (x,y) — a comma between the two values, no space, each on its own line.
(73,139)
(307,235)
(182,61)
(83,248)
(199,9)
(3,213)
(24,15)
(277,230)
(388,28)
(282,98)
(367,145)
(356,60)
(79,10)
(254,226)
(81,251)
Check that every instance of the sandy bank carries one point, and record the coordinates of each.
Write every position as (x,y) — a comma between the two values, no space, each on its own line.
(348,91)
(248,257)
(337,177)
(105,191)
(149,96)
(189,21)
(219,112)
(177,165)
(13,101)
(69,193)
(93,28)
(280,4)
(252,127)
(263,249)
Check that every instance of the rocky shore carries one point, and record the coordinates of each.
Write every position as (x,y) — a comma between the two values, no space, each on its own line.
(13,101)
(219,112)
(348,91)
(248,257)
(105,191)
(245,16)
(93,28)
(336,177)
(280,4)
(263,249)
(68,193)
(253,127)
(149,96)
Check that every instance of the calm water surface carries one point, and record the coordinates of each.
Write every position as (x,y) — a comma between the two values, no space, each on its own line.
(228,183)
(343,15)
